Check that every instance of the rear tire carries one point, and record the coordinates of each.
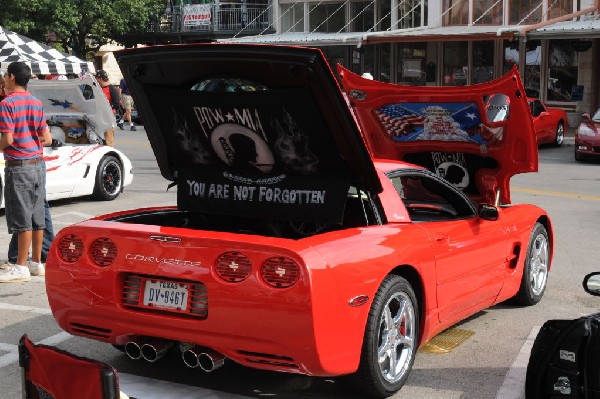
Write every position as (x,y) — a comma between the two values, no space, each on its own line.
(109,179)
(391,339)
(535,271)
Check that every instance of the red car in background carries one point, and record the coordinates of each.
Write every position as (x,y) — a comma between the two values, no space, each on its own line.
(587,137)
(306,238)
(549,123)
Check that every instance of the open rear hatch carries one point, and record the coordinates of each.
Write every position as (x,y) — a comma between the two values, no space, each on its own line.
(477,137)
(250,130)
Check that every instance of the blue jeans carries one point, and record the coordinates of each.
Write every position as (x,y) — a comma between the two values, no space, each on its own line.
(13,246)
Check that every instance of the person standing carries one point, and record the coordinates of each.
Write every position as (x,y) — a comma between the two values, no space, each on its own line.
(127,104)
(48,234)
(2,93)
(23,131)
(110,91)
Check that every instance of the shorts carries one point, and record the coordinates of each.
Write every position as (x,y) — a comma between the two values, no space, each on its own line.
(24,195)
(126,101)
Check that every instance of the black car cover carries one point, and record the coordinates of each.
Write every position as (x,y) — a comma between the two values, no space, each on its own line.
(565,360)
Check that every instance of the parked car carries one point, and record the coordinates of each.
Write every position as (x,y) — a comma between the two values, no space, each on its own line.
(550,123)
(297,219)
(564,357)
(587,137)
(80,120)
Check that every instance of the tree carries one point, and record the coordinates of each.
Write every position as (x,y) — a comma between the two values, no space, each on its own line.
(80,27)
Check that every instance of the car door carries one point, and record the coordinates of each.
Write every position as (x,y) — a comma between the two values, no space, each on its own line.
(545,126)
(60,171)
(470,252)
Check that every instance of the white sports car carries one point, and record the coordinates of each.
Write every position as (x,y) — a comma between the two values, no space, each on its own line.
(82,124)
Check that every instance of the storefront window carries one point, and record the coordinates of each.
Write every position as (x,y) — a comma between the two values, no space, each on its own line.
(525,11)
(385,15)
(327,17)
(533,61)
(384,62)
(292,17)
(483,61)
(412,66)
(562,60)
(487,12)
(409,14)
(456,12)
(368,58)
(455,63)
(558,8)
(362,15)
(335,55)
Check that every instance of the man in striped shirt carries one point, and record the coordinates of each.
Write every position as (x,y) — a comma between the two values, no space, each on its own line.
(23,132)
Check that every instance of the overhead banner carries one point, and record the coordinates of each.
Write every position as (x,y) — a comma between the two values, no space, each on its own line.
(196,14)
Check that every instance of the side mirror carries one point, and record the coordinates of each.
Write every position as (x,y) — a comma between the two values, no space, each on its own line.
(487,212)
(586,117)
(591,283)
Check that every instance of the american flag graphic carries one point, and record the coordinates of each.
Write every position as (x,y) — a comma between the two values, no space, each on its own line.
(399,121)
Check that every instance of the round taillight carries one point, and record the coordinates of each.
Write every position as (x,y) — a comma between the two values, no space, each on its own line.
(70,248)
(280,272)
(103,251)
(233,267)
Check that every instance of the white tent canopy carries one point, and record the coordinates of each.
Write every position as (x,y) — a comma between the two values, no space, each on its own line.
(41,58)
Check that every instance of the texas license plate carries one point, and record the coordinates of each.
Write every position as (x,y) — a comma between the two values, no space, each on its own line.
(166,294)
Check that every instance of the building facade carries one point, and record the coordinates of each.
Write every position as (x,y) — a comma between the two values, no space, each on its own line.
(555,43)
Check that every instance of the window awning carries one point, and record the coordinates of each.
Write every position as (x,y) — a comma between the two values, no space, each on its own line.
(303,39)
(445,33)
(588,28)
(583,29)
(449,33)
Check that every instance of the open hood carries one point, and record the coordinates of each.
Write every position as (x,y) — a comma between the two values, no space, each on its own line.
(74,103)
(249,129)
(475,136)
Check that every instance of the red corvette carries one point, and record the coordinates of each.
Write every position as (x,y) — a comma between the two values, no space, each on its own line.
(298,217)
(549,123)
(587,137)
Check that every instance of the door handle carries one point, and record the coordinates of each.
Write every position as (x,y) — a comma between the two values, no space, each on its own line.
(441,237)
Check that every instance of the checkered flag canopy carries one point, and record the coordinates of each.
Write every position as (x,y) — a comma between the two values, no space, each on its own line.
(41,58)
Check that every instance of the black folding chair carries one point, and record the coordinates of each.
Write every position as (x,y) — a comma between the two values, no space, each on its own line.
(50,373)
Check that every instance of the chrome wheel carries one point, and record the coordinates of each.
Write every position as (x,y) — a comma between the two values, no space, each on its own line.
(397,337)
(560,134)
(391,339)
(535,269)
(538,272)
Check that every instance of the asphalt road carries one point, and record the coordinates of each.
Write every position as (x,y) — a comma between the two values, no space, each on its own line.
(489,364)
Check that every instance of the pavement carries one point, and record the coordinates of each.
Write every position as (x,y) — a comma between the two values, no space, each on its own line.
(570,136)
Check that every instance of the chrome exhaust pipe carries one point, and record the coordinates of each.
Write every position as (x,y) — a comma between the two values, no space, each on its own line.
(210,360)
(189,354)
(133,349)
(197,356)
(155,349)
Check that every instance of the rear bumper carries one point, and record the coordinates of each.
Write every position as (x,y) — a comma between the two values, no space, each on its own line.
(252,329)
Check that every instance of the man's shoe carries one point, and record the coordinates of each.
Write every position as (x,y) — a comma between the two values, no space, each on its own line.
(6,265)
(15,274)
(37,269)
(133,129)
(120,124)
